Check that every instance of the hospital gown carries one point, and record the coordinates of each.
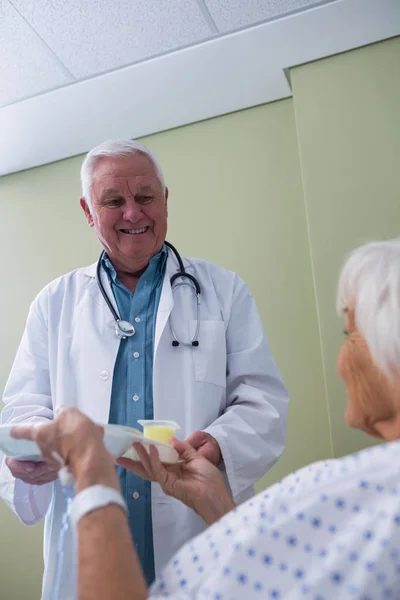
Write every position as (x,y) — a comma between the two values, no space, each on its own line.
(329,531)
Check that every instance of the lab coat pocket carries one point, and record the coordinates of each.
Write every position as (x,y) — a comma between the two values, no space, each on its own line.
(210,355)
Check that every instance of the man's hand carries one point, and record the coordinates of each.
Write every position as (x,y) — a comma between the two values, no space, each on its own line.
(34,473)
(205,445)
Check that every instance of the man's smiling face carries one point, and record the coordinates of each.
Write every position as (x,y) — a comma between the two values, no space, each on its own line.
(128,210)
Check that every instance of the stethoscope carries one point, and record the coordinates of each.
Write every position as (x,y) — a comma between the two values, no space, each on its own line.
(125,329)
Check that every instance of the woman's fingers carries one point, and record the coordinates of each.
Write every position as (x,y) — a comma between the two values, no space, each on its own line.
(22,432)
(40,435)
(100,429)
(65,439)
(141,467)
(134,466)
(49,458)
(149,467)
(144,458)
(160,474)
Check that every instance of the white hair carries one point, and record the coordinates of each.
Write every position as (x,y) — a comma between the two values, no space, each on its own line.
(123,148)
(370,283)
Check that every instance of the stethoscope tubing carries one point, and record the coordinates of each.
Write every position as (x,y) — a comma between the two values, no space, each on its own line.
(125,329)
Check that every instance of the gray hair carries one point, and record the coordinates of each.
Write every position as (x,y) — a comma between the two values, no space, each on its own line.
(370,282)
(122,148)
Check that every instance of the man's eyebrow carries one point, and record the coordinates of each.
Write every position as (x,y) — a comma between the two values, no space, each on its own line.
(144,188)
(110,191)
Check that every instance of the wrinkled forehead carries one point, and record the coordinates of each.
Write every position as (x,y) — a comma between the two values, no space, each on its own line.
(124,174)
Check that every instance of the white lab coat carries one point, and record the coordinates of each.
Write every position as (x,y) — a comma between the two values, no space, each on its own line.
(228,386)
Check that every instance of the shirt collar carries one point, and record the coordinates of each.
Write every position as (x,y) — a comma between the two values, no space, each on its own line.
(156,265)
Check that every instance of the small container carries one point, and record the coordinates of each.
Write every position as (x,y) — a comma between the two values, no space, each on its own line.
(159,431)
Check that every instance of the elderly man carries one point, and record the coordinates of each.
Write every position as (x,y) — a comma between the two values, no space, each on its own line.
(127,340)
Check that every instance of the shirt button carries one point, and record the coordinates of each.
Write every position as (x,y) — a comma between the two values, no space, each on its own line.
(137,319)
(135,398)
(135,495)
(136,355)
(104,375)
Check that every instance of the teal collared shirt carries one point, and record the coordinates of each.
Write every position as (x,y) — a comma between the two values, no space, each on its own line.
(132,389)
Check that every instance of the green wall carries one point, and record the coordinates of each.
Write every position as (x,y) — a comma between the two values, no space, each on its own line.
(348,123)
(278,193)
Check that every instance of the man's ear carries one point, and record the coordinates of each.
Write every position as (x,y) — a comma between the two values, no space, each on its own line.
(166,199)
(87,211)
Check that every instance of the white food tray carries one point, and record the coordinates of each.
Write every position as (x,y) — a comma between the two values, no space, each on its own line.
(117,439)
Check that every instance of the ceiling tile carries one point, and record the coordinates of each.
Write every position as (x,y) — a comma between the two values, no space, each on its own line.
(27,67)
(234,14)
(94,36)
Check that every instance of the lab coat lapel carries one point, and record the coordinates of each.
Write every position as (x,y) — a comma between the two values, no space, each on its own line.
(101,345)
(166,301)
(95,291)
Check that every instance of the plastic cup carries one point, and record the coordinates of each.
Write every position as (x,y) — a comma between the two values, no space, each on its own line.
(159,430)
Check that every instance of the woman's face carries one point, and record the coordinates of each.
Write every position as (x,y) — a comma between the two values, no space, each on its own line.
(370,394)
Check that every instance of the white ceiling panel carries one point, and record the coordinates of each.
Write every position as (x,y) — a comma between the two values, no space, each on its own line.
(26,65)
(219,76)
(95,36)
(229,15)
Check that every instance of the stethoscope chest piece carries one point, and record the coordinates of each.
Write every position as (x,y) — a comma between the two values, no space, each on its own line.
(124,329)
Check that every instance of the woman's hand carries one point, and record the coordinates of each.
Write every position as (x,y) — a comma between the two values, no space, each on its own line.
(72,439)
(194,481)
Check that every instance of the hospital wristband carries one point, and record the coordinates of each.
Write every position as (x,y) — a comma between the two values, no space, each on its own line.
(92,498)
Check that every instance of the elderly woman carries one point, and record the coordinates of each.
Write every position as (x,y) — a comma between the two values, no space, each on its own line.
(331,530)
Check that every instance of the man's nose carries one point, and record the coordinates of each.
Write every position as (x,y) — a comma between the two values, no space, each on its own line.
(132,211)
